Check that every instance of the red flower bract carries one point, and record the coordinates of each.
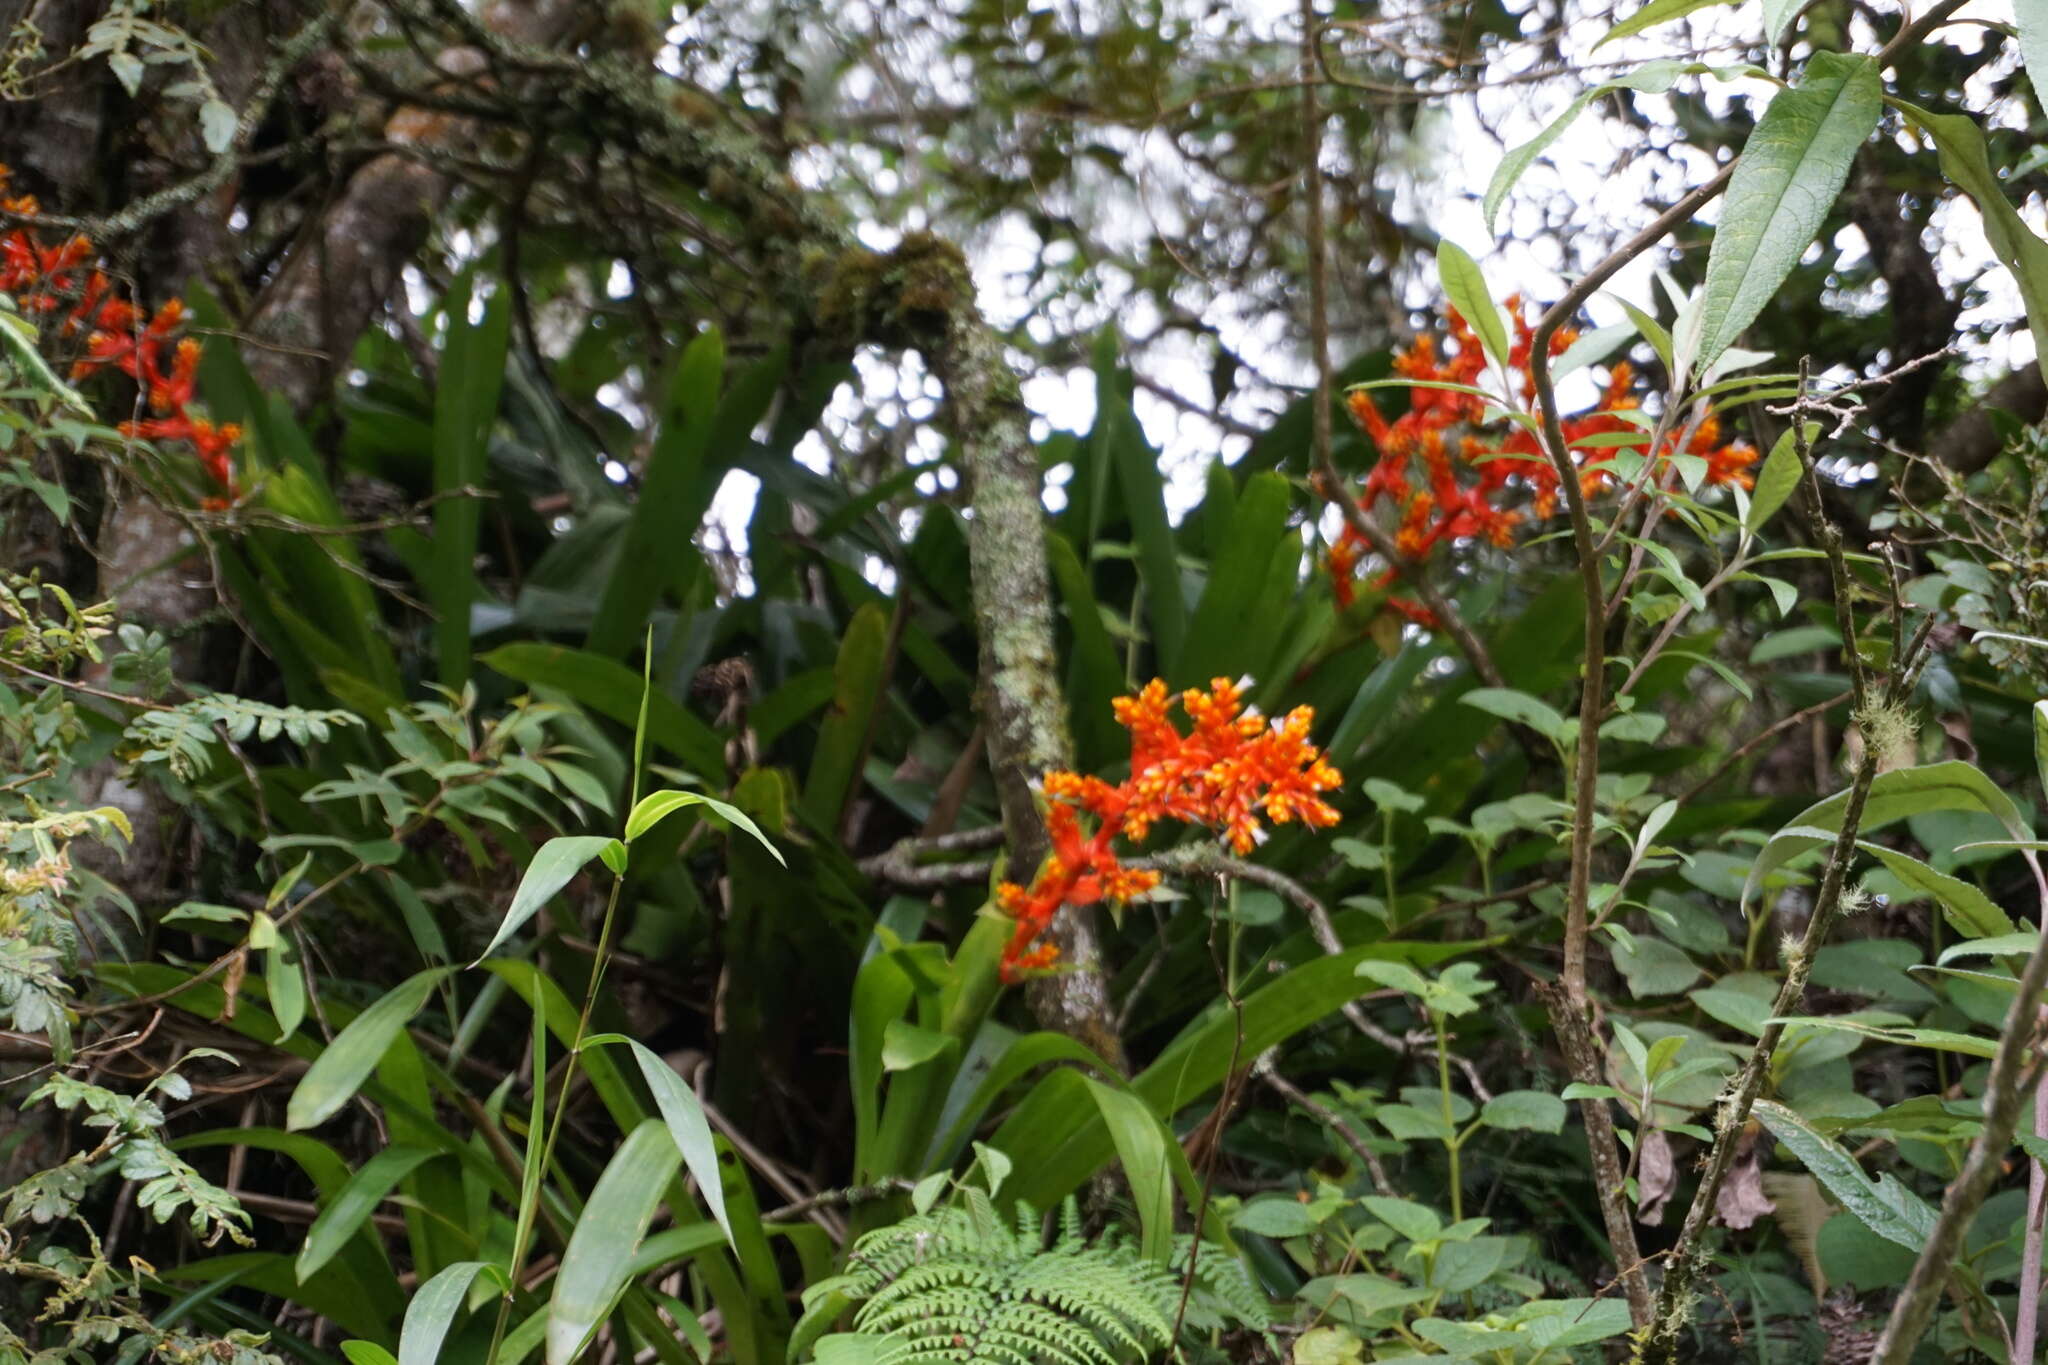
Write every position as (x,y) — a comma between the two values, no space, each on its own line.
(46,280)
(1231,768)
(1473,487)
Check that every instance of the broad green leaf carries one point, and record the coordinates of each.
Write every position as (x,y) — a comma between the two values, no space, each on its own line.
(1465,287)
(905,1045)
(1791,170)
(1533,1110)
(1777,14)
(1416,1222)
(1509,704)
(655,807)
(346,1213)
(552,868)
(433,1309)
(339,1071)
(599,1258)
(1893,796)
(366,1353)
(285,983)
(1967,163)
(1778,477)
(1884,1206)
(1141,1142)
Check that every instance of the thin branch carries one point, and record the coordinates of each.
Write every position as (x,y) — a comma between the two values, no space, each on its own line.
(1760,739)
(1268,1073)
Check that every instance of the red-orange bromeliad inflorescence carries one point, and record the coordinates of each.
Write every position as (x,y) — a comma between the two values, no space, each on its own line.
(1232,767)
(1498,470)
(44,281)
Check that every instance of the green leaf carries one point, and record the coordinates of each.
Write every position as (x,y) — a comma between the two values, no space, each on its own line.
(655,807)
(1778,477)
(1654,967)
(1654,13)
(1777,14)
(1136,466)
(285,983)
(2041,715)
(1884,1206)
(858,680)
(1416,1222)
(1941,1040)
(1530,1110)
(552,868)
(366,1353)
(1655,77)
(19,337)
(599,1258)
(465,408)
(2031,17)
(1893,796)
(1465,286)
(1967,163)
(1791,170)
(611,689)
(433,1310)
(687,1126)
(346,1213)
(339,1071)
(1509,704)
(1973,913)
(905,1045)
(1141,1141)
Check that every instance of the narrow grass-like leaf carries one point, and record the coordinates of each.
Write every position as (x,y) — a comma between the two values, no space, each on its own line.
(346,1213)
(339,1071)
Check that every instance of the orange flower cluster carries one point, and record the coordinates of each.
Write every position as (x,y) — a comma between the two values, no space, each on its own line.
(48,281)
(1232,767)
(1467,483)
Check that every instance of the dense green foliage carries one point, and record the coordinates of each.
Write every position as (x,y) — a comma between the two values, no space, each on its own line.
(616,814)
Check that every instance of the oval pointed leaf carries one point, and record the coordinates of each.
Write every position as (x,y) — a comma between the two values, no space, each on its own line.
(687,1127)
(599,1258)
(1893,796)
(350,1208)
(1792,169)
(1465,287)
(1778,477)
(1884,1206)
(557,863)
(338,1072)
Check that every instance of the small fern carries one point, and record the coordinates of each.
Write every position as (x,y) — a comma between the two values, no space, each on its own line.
(963,1285)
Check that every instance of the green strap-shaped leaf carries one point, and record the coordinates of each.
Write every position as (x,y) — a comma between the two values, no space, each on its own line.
(558,861)
(1967,164)
(338,1072)
(1778,477)
(1791,170)
(465,408)
(346,1213)
(1884,1206)
(599,1257)
(859,675)
(1141,1142)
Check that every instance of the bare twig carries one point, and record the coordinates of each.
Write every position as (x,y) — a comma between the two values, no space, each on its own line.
(1270,1075)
